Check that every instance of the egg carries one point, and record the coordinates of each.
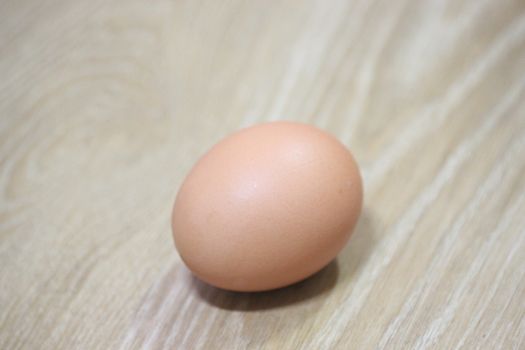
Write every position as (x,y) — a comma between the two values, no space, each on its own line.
(267,206)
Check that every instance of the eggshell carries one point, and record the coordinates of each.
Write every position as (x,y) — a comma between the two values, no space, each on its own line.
(266,207)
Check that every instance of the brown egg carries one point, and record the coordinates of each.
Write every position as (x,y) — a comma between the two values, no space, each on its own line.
(267,206)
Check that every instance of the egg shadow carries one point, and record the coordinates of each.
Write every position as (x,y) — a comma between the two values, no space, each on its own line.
(313,286)
(353,255)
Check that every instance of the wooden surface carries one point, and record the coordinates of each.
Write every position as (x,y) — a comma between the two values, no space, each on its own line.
(105,105)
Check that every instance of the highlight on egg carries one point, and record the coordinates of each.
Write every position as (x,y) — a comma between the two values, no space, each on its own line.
(267,206)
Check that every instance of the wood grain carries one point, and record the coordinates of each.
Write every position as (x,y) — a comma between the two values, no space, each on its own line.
(104,106)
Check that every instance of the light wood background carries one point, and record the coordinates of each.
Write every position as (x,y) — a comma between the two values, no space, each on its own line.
(105,105)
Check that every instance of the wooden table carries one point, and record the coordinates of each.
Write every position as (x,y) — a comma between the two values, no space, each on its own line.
(105,105)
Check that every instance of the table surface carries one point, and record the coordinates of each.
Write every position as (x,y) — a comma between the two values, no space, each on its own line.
(105,106)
